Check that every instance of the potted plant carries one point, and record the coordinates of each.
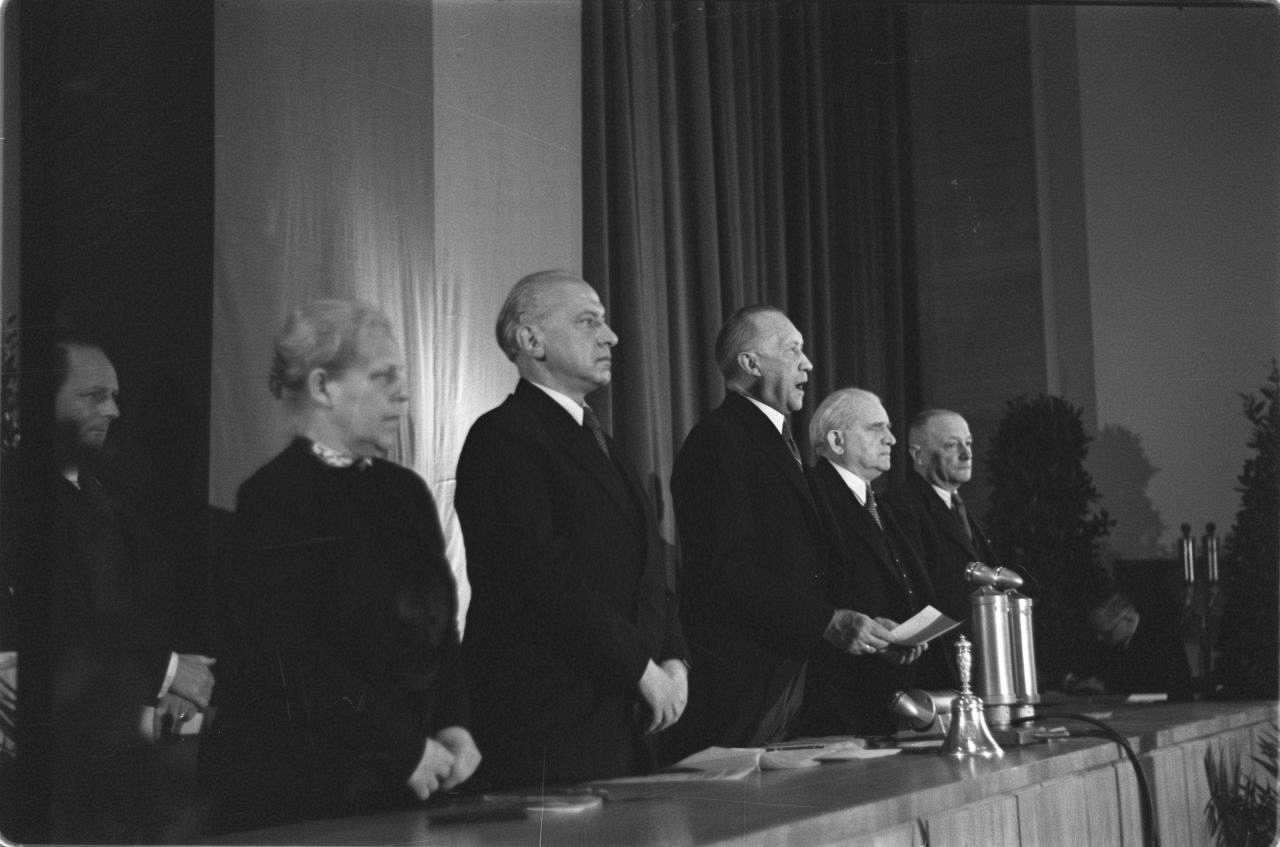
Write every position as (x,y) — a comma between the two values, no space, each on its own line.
(1242,806)
(1043,522)
(1249,572)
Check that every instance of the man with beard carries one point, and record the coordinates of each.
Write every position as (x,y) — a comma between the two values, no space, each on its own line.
(101,682)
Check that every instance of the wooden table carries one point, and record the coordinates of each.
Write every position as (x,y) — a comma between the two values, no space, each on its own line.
(1073,791)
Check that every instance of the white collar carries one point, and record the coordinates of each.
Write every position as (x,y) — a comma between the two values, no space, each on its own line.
(943,493)
(573,407)
(856,484)
(338,458)
(775,417)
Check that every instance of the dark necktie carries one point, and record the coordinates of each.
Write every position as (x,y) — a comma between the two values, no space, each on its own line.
(873,509)
(957,509)
(591,422)
(791,442)
(899,572)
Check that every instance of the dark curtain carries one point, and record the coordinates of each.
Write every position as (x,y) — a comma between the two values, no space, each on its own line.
(742,152)
(114,188)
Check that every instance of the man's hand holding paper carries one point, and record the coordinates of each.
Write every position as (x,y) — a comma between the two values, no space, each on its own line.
(924,626)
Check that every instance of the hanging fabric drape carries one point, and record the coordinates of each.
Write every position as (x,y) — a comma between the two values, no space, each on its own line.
(740,152)
(325,188)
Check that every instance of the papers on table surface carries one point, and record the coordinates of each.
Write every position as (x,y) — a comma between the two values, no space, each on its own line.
(850,755)
(922,627)
(721,764)
(804,753)
(567,801)
(714,763)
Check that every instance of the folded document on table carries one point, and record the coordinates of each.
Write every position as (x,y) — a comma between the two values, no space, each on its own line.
(731,763)
(714,763)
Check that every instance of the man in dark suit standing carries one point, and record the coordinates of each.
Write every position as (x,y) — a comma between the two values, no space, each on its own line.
(941,451)
(96,597)
(573,644)
(881,572)
(756,554)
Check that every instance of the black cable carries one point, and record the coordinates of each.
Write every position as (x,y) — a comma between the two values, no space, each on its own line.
(1150,836)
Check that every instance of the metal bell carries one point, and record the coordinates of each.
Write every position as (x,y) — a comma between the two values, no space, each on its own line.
(968,736)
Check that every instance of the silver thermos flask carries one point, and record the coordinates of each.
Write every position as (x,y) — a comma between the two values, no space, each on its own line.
(989,620)
(1023,638)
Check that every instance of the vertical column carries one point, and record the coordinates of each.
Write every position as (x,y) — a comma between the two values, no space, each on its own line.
(1064,254)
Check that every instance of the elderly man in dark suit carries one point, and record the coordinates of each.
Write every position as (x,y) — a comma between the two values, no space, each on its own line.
(573,644)
(756,551)
(881,573)
(941,451)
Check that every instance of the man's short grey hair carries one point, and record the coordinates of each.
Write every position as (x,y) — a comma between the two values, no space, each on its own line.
(921,422)
(523,305)
(739,335)
(836,411)
(324,334)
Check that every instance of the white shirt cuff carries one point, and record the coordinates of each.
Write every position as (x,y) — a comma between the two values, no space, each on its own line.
(169,675)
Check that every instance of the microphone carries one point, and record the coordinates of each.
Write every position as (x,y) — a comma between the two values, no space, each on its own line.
(978,574)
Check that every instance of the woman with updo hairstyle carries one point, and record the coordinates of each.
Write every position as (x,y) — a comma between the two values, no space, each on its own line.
(346,694)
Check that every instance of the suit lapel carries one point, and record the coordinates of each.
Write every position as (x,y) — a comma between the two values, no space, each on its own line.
(852,515)
(943,517)
(982,548)
(580,447)
(770,443)
(909,556)
(639,500)
(859,528)
(857,524)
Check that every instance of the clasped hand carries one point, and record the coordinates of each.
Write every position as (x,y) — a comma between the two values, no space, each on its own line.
(449,759)
(188,694)
(193,679)
(665,691)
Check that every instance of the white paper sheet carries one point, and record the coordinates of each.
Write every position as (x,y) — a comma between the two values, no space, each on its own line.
(733,763)
(713,763)
(922,627)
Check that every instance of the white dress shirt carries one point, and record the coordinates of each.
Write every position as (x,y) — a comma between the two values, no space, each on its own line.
(856,484)
(775,417)
(573,407)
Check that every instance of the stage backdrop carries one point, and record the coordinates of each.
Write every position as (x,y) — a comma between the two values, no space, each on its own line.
(740,152)
(420,155)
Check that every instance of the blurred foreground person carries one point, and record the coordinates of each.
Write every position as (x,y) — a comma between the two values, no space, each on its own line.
(346,695)
(102,687)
